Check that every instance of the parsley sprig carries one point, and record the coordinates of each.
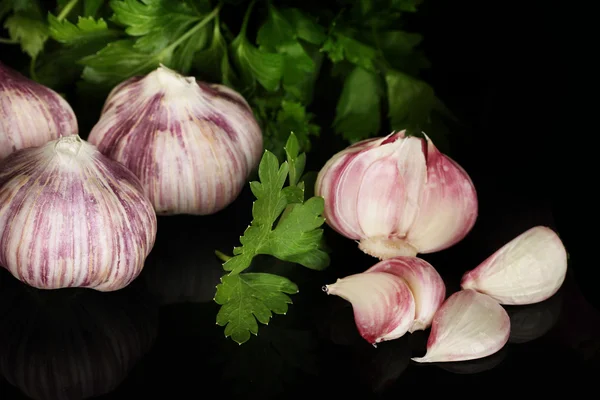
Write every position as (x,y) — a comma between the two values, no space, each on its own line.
(285,226)
(278,57)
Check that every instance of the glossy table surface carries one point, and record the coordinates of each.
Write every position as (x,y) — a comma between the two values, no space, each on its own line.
(159,334)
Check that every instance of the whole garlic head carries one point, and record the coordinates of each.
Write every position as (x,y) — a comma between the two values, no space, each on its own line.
(71,217)
(398,196)
(30,114)
(192,144)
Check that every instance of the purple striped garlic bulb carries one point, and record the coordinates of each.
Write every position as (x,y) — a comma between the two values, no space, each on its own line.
(192,144)
(71,217)
(397,196)
(30,114)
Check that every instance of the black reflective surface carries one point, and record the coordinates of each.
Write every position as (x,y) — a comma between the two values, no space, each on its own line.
(499,73)
(159,333)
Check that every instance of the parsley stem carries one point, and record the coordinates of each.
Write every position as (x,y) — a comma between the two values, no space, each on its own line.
(247,18)
(65,11)
(189,33)
(32,73)
(8,41)
(222,256)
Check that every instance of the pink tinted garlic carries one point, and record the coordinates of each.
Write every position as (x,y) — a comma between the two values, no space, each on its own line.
(192,144)
(30,114)
(425,283)
(71,217)
(397,196)
(528,269)
(384,307)
(468,326)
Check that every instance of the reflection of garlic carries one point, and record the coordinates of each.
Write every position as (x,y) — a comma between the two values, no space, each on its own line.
(192,144)
(469,325)
(72,345)
(384,307)
(425,284)
(528,269)
(70,217)
(30,114)
(398,196)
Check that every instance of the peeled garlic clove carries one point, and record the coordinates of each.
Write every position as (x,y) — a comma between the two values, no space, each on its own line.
(528,269)
(192,144)
(71,217)
(425,283)
(30,114)
(398,196)
(384,307)
(468,326)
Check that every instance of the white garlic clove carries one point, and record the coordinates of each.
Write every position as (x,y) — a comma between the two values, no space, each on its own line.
(448,206)
(192,144)
(384,307)
(30,114)
(468,326)
(398,196)
(71,217)
(425,283)
(528,269)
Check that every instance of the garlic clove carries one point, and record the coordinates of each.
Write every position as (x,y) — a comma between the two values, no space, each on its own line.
(468,326)
(30,114)
(191,144)
(425,283)
(528,269)
(448,207)
(71,217)
(384,307)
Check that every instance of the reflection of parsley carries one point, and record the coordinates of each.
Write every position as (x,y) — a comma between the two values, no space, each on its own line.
(284,226)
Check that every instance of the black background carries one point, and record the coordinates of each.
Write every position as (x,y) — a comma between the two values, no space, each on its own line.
(511,73)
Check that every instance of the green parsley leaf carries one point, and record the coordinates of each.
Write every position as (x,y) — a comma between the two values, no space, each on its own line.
(30,31)
(117,61)
(255,65)
(157,22)
(295,160)
(358,113)
(277,34)
(296,237)
(246,298)
(305,27)
(398,48)
(91,7)
(341,47)
(87,29)
(410,101)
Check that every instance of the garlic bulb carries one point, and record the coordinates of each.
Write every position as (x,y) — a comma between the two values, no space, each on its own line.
(398,196)
(30,114)
(70,217)
(528,269)
(468,326)
(384,307)
(192,144)
(426,285)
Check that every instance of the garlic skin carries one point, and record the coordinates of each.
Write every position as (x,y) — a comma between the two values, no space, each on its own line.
(191,144)
(71,217)
(468,326)
(425,283)
(397,196)
(527,270)
(384,307)
(30,114)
